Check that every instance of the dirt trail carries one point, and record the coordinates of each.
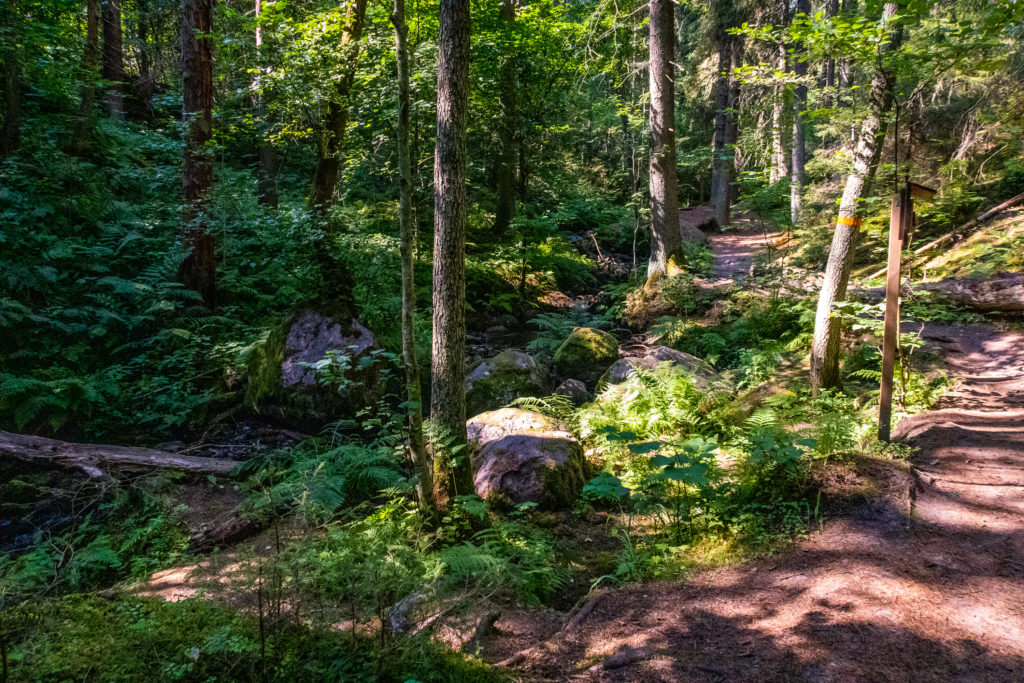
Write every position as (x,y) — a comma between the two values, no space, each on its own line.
(922,581)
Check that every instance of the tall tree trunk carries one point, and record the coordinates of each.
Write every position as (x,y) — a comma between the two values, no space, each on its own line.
(448,393)
(799,160)
(831,10)
(10,133)
(666,241)
(778,169)
(508,127)
(330,150)
(198,270)
(825,348)
(732,129)
(113,58)
(90,74)
(414,398)
(720,163)
(146,85)
(266,183)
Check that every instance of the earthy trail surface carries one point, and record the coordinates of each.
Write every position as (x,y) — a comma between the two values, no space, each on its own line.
(922,579)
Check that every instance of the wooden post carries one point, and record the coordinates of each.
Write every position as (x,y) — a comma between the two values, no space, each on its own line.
(901,225)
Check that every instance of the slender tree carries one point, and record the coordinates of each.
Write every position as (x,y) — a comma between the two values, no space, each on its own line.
(508,127)
(448,394)
(90,74)
(414,395)
(113,58)
(331,148)
(666,240)
(198,270)
(827,329)
(266,162)
(778,169)
(799,159)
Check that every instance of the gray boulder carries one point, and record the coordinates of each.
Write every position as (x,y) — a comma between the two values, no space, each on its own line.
(520,456)
(691,234)
(704,376)
(494,382)
(574,390)
(283,386)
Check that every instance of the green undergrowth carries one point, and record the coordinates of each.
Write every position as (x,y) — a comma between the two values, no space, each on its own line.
(125,638)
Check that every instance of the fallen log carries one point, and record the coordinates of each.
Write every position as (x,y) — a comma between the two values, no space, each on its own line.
(93,459)
(962,230)
(1003,292)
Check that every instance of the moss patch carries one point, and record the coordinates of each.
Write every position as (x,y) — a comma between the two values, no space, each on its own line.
(586,354)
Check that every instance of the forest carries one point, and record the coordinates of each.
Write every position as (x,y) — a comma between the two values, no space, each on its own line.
(511,340)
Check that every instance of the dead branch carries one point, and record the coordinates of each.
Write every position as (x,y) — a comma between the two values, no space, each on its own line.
(95,459)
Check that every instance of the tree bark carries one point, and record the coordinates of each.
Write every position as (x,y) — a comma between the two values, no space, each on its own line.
(448,394)
(414,394)
(666,242)
(198,270)
(266,162)
(10,133)
(778,169)
(799,160)
(94,459)
(113,58)
(90,74)
(719,163)
(1002,293)
(825,349)
(330,150)
(732,130)
(508,127)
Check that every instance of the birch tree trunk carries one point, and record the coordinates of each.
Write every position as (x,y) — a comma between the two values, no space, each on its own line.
(666,241)
(799,160)
(197,271)
(778,169)
(448,370)
(825,349)
(417,450)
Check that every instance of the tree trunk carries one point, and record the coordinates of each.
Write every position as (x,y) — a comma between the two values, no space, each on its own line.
(720,163)
(330,151)
(94,459)
(778,169)
(113,58)
(448,393)
(831,10)
(414,397)
(799,160)
(1002,293)
(732,129)
(198,270)
(666,242)
(825,349)
(10,133)
(508,127)
(146,85)
(90,74)
(266,163)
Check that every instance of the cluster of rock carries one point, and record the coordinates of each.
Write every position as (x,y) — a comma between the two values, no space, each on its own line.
(517,455)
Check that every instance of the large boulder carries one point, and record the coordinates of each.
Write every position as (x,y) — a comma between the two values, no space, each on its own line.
(524,457)
(704,376)
(494,382)
(574,390)
(691,234)
(586,354)
(283,386)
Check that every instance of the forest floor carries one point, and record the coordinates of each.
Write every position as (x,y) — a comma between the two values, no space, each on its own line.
(919,577)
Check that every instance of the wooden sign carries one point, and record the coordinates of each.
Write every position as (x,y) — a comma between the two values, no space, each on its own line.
(901,228)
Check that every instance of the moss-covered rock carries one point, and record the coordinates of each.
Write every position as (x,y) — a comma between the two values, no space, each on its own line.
(282,386)
(586,354)
(520,456)
(494,382)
